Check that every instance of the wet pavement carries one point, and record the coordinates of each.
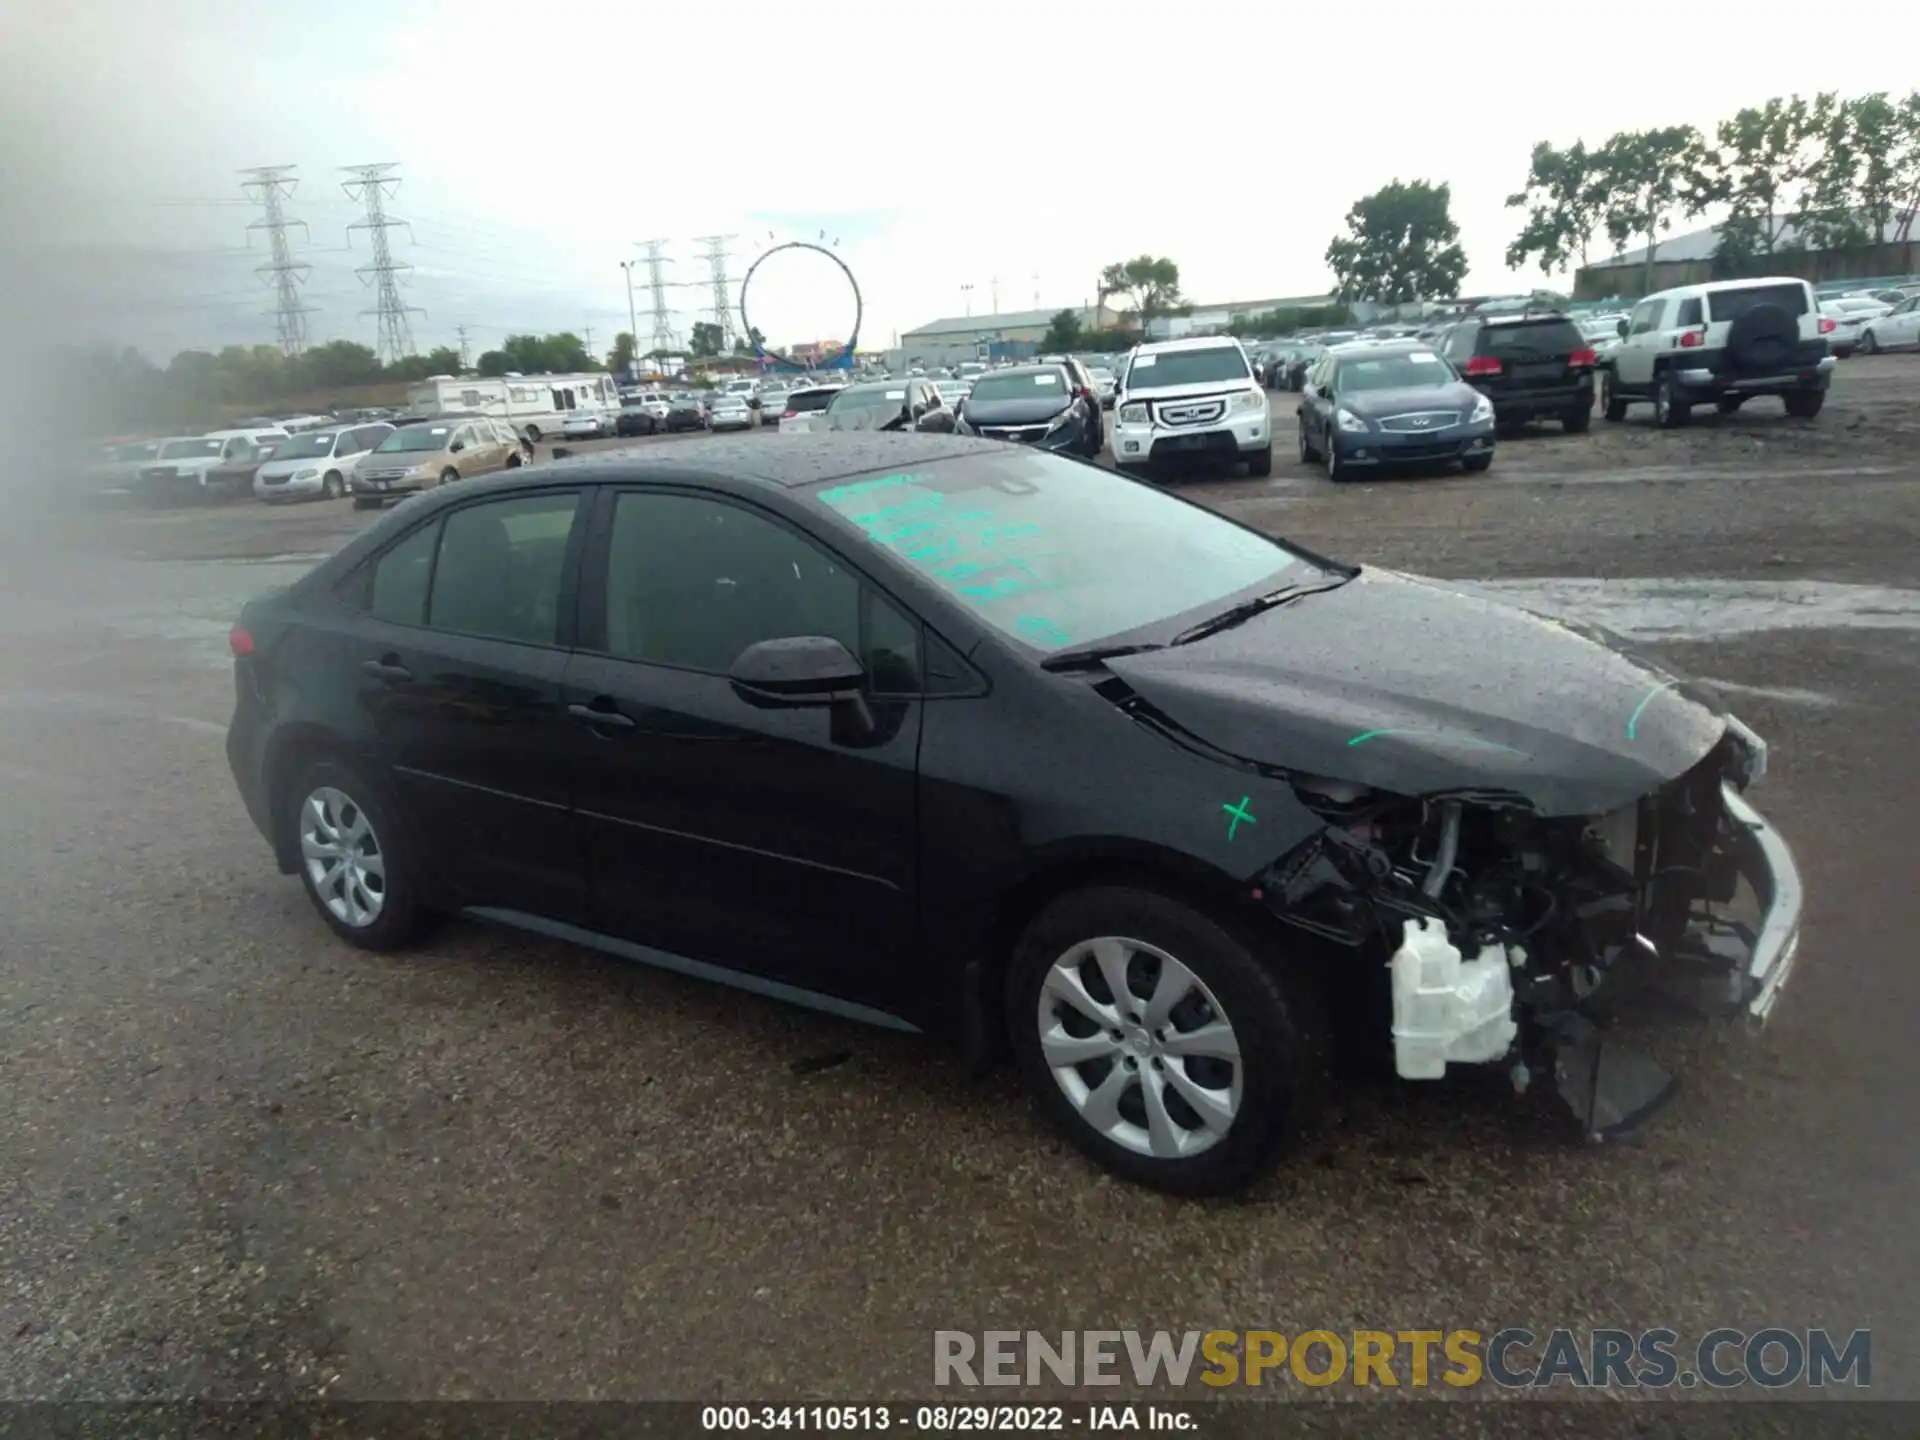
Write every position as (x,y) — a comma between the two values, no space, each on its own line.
(242,1159)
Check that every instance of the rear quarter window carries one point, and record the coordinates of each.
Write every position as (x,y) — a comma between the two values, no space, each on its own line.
(1732,304)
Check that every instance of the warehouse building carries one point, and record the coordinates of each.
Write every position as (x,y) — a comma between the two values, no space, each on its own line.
(1689,259)
(1010,335)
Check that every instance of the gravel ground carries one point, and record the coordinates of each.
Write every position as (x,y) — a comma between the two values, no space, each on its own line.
(242,1160)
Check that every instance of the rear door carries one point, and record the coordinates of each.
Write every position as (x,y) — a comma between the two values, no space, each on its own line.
(458,664)
(771,841)
(1633,361)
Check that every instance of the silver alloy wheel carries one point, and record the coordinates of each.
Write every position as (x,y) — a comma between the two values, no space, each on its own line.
(344,861)
(1155,1066)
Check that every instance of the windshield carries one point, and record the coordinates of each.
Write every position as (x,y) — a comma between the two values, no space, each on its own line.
(190,449)
(1393,372)
(1041,385)
(1054,553)
(416,438)
(802,401)
(126,453)
(866,407)
(1214,365)
(304,447)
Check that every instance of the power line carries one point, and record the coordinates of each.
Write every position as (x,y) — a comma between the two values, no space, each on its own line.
(270,186)
(663,336)
(371,185)
(716,254)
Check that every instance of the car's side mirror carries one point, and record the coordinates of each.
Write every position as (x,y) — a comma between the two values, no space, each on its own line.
(1620,328)
(796,670)
(456,447)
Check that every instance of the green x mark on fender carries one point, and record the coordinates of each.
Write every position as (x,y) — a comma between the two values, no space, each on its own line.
(1239,812)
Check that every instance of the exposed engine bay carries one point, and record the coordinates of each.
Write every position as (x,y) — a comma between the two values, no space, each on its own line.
(1508,933)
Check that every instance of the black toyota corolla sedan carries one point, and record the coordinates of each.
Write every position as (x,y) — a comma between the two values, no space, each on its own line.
(1367,407)
(960,737)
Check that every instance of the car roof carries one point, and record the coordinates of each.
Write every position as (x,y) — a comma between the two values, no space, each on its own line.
(1044,367)
(1190,342)
(793,463)
(1374,349)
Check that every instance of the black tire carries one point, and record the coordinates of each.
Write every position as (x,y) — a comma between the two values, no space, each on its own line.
(1611,405)
(1261,465)
(1474,464)
(365,502)
(332,487)
(1869,343)
(1729,404)
(1578,422)
(1308,455)
(400,918)
(1762,340)
(533,433)
(449,475)
(1336,472)
(1670,405)
(1804,404)
(1276,1010)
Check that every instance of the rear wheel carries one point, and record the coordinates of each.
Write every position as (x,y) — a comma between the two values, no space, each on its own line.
(1670,406)
(533,433)
(1160,1043)
(1611,405)
(1261,464)
(1870,343)
(1578,422)
(354,862)
(1804,404)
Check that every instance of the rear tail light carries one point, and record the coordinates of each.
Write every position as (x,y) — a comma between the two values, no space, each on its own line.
(1693,339)
(1483,365)
(1584,357)
(240,641)
(789,414)
(1827,327)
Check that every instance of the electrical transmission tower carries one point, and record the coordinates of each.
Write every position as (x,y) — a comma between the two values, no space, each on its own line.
(716,254)
(461,331)
(663,337)
(271,186)
(371,185)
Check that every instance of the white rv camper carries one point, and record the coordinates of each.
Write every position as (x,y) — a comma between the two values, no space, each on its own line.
(535,405)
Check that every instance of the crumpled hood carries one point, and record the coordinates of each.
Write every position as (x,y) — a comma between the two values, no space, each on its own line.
(1027,410)
(1414,687)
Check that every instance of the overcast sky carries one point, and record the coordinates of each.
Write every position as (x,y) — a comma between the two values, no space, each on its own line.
(941,147)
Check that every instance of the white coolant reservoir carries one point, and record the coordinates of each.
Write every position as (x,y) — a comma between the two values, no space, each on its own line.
(1448,1009)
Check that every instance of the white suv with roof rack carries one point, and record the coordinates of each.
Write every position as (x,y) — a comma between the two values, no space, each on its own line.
(1721,344)
(1193,399)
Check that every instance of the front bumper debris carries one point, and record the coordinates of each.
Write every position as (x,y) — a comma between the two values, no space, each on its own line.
(1766,864)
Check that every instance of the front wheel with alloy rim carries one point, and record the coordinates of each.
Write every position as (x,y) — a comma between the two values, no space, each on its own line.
(1870,343)
(1611,405)
(353,860)
(1336,471)
(1161,1043)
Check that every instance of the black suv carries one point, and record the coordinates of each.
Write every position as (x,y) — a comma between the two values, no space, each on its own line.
(1534,365)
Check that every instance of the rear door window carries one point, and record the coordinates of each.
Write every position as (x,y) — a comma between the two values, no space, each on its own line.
(399,589)
(1732,304)
(500,566)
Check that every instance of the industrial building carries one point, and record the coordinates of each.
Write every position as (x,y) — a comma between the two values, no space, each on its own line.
(1689,259)
(1009,335)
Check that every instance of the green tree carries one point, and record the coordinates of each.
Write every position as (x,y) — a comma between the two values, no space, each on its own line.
(707,339)
(747,345)
(1565,198)
(1649,175)
(1063,333)
(621,356)
(1401,244)
(1760,169)
(494,363)
(1906,166)
(1151,284)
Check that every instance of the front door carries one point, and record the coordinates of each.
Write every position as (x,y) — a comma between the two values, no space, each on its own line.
(770,841)
(460,671)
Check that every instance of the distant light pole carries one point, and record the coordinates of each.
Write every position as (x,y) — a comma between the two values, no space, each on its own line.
(633,318)
(967,291)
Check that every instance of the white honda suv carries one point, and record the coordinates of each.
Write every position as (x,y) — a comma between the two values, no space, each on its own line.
(1187,400)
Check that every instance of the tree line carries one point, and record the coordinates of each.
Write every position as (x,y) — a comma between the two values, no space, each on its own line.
(1798,173)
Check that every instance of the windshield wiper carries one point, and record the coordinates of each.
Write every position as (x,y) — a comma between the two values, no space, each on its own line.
(1092,656)
(1247,609)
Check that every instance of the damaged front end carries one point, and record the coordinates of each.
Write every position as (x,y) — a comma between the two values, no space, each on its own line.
(1508,933)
